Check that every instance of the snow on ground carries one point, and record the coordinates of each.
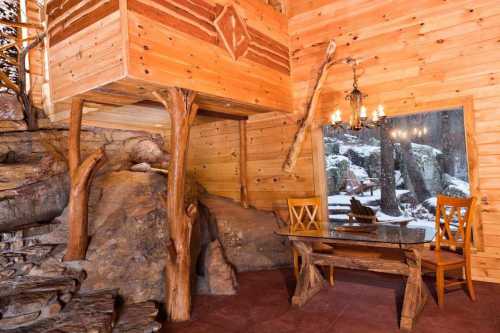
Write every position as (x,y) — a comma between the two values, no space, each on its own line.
(457,185)
(359,172)
(345,199)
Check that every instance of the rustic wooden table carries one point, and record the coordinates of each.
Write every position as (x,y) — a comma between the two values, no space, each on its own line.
(387,248)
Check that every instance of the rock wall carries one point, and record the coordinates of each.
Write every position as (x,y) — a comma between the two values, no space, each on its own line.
(34,183)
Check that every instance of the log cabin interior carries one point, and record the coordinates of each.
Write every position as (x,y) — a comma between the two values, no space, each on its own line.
(249,166)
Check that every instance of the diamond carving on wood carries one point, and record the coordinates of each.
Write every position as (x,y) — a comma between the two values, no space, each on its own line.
(233,32)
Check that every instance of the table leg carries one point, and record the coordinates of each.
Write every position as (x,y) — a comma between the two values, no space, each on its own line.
(310,280)
(416,292)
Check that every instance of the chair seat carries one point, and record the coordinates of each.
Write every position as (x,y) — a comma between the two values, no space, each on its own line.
(441,258)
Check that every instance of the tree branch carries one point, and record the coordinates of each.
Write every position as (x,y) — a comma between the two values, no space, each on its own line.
(293,153)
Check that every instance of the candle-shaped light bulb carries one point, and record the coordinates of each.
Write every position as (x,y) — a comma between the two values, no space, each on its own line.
(375,117)
(425,130)
(363,113)
(338,115)
(380,111)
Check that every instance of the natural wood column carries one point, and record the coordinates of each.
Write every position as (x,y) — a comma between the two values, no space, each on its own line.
(81,175)
(179,103)
(310,113)
(415,291)
(310,280)
(243,164)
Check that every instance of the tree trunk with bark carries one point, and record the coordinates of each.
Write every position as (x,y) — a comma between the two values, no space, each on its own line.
(388,199)
(447,162)
(81,176)
(179,103)
(414,173)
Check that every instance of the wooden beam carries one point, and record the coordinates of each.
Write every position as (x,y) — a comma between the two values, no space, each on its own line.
(21,25)
(215,114)
(243,164)
(293,153)
(179,103)
(80,175)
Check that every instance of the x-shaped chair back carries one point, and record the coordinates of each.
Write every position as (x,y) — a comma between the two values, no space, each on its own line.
(304,214)
(454,222)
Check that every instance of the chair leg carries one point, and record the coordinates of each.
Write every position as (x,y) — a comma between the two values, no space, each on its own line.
(332,277)
(440,286)
(295,263)
(468,278)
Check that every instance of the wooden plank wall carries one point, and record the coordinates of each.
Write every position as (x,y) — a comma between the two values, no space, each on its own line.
(175,43)
(414,53)
(214,160)
(86,46)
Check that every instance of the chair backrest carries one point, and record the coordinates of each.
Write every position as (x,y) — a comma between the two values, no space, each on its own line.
(305,213)
(362,214)
(454,222)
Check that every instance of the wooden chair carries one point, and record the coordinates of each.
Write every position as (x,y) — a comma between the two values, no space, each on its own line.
(453,246)
(305,214)
(360,213)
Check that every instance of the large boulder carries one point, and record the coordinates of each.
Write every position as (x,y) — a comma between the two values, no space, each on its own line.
(219,277)
(427,160)
(128,235)
(365,156)
(337,167)
(455,187)
(247,235)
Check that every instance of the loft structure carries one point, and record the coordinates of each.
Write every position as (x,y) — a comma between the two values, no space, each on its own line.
(235,56)
(218,165)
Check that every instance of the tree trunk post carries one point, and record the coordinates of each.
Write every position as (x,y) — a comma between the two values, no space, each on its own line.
(81,175)
(310,113)
(243,164)
(179,103)
(389,201)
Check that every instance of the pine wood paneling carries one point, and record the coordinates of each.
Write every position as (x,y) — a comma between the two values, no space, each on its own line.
(214,160)
(413,53)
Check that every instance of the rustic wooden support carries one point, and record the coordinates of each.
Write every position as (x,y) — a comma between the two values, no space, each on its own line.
(8,23)
(179,103)
(408,263)
(310,280)
(415,291)
(307,120)
(81,175)
(243,164)
(30,112)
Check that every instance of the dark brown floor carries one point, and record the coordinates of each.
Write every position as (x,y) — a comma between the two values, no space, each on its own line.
(359,302)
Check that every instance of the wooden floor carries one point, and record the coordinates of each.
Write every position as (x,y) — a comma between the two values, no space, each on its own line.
(360,302)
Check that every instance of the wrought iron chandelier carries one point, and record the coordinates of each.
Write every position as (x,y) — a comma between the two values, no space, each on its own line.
(359,113)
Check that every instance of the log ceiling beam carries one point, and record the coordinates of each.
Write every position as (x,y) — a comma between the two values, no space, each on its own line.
(221,115)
